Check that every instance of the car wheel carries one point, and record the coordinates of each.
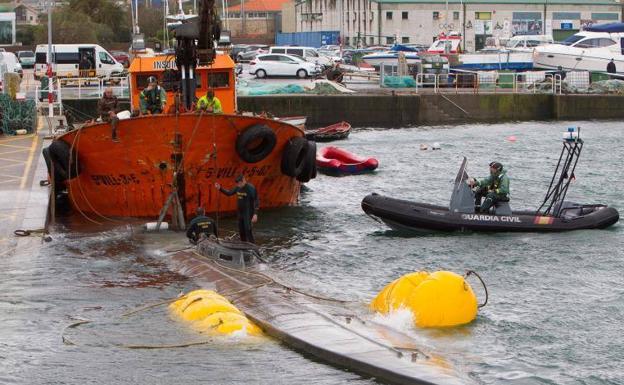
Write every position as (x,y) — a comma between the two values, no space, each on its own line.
(261,74)
(302,74)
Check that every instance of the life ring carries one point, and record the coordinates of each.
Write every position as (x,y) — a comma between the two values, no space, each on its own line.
(294,157)
(255,143)
(58,152)
(309,168)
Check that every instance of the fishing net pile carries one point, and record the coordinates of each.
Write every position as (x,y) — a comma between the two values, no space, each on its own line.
(16,115)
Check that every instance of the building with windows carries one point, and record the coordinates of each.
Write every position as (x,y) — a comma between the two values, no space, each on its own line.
(254,20)
(366,22)
(26,14)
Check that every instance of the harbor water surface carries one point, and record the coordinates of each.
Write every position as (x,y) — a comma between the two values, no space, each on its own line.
(554,314)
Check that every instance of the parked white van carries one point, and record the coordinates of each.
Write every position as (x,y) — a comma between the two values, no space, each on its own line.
(77,60)
(307,53)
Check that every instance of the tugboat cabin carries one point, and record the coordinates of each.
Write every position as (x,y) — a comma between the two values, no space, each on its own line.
(219,77)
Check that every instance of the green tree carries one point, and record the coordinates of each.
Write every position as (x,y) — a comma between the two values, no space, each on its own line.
(150,21)
(68,27)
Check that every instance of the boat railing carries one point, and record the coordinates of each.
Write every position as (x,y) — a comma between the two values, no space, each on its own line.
(537,82)
(89,88)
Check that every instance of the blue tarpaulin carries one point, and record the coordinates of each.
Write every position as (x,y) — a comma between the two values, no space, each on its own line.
(404,48)
(608,27)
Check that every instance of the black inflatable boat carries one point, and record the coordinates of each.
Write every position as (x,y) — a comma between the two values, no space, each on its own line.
(554,214)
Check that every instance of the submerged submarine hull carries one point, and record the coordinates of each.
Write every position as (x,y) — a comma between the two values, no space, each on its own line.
(403,214)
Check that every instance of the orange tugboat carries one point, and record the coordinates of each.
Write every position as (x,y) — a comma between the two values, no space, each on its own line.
(168,163)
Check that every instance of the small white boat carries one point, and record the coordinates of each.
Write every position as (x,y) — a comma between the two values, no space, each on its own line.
(390,58)
(589,50)
(297,121)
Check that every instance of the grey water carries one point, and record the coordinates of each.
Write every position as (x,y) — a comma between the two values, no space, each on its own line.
(554,314)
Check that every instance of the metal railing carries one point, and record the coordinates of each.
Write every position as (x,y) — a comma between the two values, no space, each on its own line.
(493,82)
(88,88)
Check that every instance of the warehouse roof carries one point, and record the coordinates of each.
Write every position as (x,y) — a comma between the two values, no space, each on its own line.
(545,2)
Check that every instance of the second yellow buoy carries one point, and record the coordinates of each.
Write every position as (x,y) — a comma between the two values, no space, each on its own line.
(438,299)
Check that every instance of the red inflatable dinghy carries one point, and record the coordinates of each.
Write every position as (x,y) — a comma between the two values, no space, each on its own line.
(335,160)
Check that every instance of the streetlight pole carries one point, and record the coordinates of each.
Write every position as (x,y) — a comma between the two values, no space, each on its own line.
(50,79)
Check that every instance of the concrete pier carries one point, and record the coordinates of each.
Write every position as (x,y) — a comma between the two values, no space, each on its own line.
(400,110)
(23,201)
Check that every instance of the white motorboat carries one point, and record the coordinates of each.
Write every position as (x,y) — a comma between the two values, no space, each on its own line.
(517,55)
(589,50)
(391,58)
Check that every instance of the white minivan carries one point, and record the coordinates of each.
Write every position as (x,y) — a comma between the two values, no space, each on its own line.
(307,53)
(77,60)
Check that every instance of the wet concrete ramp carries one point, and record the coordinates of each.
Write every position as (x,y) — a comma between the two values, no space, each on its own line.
(337,333)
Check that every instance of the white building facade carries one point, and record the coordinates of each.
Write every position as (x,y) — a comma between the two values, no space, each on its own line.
(367,22)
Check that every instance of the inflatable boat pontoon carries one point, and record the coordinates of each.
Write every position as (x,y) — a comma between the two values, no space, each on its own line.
(554,214)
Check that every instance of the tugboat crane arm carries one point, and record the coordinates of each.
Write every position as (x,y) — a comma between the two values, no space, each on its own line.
(196,47)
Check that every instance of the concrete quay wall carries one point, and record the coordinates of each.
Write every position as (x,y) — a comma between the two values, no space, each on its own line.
(401,110)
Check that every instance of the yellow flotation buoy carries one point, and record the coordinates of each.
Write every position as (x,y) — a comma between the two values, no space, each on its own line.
(208,311)
(438,299)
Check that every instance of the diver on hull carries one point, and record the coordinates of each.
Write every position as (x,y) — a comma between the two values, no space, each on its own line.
(201,226)
(494,188)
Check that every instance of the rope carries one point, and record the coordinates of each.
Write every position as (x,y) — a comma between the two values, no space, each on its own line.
(69,186)
(270,280)
(471,272)
(185,345)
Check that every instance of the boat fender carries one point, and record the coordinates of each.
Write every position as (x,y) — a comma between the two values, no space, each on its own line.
(294,156)
(207,311)
(439,299)
(255,143)
(309,167)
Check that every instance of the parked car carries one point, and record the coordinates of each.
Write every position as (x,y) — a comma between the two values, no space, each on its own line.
(26,58)
(251,52)
(122,57)
(236,49)
(282,65)
(11,62)
(66,61)
(307,53)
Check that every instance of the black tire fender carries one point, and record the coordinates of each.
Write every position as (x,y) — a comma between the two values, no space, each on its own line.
(309,168)
(294,157)
(60,153)
(255,143)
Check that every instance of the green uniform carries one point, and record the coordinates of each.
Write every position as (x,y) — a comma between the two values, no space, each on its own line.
(153,100)
(494,188)
(497,183)
(205,103)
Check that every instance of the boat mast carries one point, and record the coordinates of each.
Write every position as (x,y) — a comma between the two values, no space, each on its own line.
(563,175)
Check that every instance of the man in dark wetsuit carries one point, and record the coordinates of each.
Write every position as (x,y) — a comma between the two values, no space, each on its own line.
(247,206)
(199,225)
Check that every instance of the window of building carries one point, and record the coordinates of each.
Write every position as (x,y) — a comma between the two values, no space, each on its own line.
(346,40)
(436,15)
(483,15)
(527,23)
(605,16)
(405,40)
(404,15)
(456,15)
(563,15)
(389,15)
(234,15)
(371,41)
(389,40)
